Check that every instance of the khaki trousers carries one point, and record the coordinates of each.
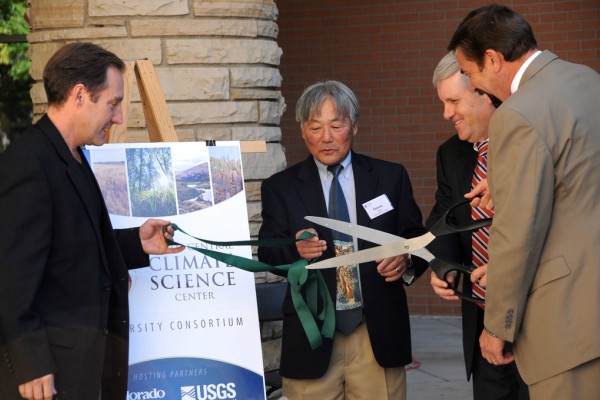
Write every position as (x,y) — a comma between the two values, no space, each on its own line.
(353,374)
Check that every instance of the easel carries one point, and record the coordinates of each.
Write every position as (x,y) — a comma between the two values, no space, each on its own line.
(158,120)
(160,125)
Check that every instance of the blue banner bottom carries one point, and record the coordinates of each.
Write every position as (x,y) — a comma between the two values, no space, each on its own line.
(193,379)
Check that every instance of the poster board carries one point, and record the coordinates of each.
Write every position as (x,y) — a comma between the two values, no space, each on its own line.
(194,329)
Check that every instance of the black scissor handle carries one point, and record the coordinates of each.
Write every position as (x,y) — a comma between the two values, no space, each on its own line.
(443,268)
(444,227)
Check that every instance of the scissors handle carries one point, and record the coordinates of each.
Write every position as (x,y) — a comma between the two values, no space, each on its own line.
(445,227)
(442,268)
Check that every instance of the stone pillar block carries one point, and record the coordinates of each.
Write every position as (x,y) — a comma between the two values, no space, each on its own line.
(222,51)
(191,83)
(56,14)
(263,165)
(88,34)
(271,111)
(255,76)
(265,9)
(103,8)
(196,27)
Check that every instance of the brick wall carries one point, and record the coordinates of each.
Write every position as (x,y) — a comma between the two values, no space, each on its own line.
(386,52)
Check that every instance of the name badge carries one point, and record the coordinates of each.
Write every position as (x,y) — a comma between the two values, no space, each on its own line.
(377,206)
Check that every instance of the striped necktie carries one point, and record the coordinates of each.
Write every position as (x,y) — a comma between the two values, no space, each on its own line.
(480,238)
(348,296)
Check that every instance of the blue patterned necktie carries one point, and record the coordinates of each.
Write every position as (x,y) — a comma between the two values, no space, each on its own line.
(348,297)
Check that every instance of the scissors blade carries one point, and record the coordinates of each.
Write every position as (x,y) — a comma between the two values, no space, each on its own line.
(362,232)
(402,246)
(424,254)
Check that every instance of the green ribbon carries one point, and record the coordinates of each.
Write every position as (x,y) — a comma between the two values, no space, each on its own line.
(298,277)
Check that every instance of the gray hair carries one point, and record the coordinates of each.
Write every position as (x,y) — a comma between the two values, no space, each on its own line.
(447,67)
(312,98)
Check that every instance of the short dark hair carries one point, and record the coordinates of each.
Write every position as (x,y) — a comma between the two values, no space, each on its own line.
(75,63)
(495,27)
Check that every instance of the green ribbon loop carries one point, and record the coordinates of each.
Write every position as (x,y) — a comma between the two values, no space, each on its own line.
(299,278)
(280,242)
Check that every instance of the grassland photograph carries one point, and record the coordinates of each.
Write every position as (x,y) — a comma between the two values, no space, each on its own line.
(111,173)
(112,179)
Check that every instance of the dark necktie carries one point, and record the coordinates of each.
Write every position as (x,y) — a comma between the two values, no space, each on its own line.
(480,238)
(348,297)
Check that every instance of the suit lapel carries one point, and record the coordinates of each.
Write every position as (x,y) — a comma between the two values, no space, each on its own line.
(470,155)
(75,176)
(310,193)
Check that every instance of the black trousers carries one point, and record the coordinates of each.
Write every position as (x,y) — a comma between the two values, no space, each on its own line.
(497,382)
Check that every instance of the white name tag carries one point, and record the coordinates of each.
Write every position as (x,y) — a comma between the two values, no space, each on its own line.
(377,206)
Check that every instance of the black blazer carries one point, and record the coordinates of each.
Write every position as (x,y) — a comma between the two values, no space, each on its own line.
(63,273)
(456,161)
(290,195)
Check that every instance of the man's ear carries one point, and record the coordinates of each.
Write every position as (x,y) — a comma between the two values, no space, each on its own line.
(493,59)
(78,94)
(355,128)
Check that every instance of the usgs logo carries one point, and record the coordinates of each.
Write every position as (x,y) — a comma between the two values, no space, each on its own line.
(153,394)
(212,391)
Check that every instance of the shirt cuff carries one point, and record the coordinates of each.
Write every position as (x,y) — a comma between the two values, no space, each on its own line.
(409,275)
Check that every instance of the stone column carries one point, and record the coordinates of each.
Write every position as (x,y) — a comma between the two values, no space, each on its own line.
(216,60)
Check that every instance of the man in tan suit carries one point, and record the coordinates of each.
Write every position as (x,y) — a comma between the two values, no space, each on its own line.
(543,281)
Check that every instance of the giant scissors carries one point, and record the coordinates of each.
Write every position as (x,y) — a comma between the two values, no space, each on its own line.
(392,245)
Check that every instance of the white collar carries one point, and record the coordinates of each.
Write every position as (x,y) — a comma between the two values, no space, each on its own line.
(346,163)
(517,79)
(480,143)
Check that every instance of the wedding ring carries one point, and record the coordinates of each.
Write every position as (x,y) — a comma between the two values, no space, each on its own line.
(397,270)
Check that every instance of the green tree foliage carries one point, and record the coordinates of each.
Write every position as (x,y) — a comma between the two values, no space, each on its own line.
(12,22)
(15,81)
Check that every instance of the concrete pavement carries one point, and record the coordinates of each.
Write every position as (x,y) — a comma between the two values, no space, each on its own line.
(437,346)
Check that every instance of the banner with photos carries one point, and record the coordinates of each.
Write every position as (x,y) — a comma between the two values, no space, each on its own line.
(194,330)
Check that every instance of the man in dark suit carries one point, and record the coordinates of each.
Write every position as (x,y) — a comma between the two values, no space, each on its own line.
(367,361)
(63,270)
(470,113)
(543,280)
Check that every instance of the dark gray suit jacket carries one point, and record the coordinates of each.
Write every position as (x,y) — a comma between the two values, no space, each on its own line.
(455,161)
(63,273)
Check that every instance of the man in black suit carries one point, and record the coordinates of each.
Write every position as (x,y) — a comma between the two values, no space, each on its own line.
(470,112)
(64,317)
(367,361)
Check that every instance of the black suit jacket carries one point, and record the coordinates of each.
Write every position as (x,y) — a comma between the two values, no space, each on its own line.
(63,273)
(289,196)
(456,161)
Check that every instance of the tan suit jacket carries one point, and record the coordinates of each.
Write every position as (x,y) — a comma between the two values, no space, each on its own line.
(544,272)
